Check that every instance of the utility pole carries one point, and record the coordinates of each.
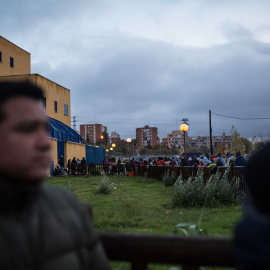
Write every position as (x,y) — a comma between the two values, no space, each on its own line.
(74,122)
(210,131)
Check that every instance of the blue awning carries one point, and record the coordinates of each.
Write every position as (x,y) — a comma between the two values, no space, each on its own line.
(62,132)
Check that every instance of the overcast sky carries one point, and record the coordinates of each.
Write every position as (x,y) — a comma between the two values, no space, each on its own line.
(135,63)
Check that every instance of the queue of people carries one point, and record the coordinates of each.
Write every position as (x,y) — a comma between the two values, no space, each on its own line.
(115,166)
(73,166)
(201,161)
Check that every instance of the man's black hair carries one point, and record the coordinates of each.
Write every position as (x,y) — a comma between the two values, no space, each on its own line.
(258,178)
(9,90)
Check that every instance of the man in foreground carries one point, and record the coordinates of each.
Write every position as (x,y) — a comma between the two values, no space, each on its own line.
(252,234)
(41,227)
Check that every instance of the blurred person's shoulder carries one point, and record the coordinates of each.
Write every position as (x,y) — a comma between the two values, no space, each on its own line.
(60,199)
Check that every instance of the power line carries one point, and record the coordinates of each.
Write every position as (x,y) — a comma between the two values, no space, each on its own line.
(259,118)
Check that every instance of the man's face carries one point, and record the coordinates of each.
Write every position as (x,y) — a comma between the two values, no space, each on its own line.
(24,143)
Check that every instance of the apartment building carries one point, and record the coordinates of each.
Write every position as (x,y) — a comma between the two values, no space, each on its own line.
(164,142)
(114,138)
(175,139)
(147,136)
(92,131)
(199,140)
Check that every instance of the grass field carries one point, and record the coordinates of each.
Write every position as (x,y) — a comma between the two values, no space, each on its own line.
(142,205)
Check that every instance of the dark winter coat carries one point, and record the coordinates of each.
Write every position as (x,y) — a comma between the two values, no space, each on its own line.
(42,227)
(252,240)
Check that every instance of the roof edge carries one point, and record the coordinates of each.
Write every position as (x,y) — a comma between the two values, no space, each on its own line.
(14,44)
(30,74)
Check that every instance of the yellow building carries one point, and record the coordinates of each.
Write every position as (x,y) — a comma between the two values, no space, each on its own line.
(15,65)
(56,98)
(13,59)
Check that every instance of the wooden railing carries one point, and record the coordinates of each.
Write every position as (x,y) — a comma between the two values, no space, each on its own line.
(191,252)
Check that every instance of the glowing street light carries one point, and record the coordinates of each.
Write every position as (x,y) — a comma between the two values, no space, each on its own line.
(113,145)
(128,141)
(102,140)
(184,128)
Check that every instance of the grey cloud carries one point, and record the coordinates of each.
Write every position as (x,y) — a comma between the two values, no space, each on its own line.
(156,80)
(126,82)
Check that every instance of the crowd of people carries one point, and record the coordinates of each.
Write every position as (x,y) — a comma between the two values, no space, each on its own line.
(73,165)
(201,161)
(115,165)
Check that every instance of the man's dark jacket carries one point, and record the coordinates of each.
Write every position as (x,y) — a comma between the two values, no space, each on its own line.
(252,239)
(42,227)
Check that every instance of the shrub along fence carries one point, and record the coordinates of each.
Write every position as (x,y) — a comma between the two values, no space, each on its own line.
(236,174)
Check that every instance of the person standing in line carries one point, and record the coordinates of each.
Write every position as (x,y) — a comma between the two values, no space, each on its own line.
(221,160)
(206,160)
(240,161)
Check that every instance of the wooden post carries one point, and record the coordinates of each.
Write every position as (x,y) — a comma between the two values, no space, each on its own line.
(139,266)
(210,129)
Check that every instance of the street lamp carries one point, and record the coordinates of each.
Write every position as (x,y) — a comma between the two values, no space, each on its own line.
(184,128)
(102,140)
(113,145)
(128,141)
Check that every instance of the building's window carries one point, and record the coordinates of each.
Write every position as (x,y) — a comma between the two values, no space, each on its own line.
(65,109)
(55,106)
(44,102)
(0,57)
(11,62)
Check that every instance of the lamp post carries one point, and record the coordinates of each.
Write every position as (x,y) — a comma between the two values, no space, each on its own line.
(184,128)
(128,141)
(113,145)
(111,150)
(102,140)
